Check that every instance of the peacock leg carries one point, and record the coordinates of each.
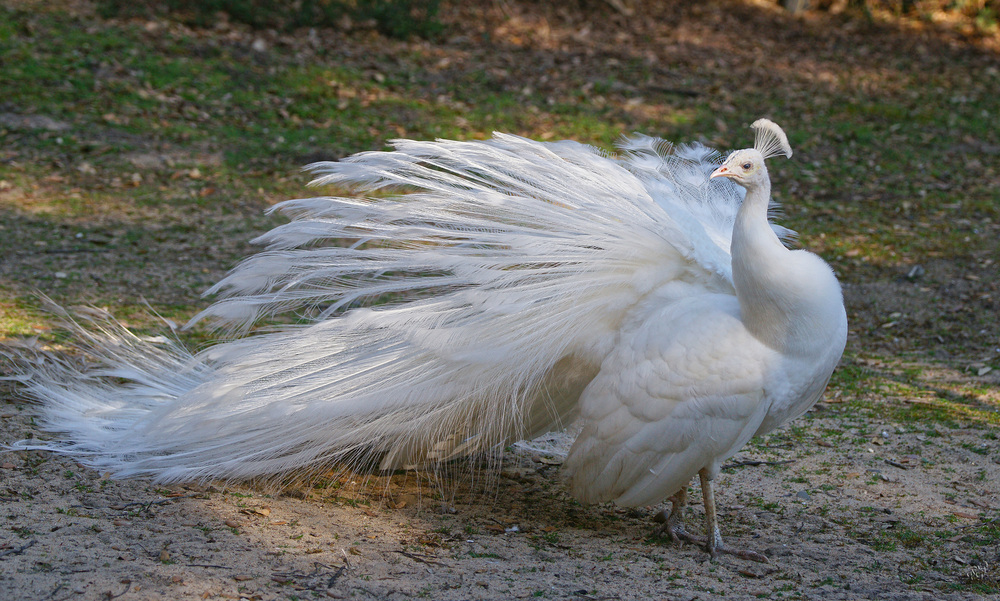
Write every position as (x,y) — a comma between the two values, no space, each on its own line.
(713,540)
(673,522)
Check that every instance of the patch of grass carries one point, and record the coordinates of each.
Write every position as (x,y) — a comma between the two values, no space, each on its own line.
(883,544)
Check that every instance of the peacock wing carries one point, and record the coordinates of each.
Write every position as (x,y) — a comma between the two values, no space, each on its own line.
(684,389)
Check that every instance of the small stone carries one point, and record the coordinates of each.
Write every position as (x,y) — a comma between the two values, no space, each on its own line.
(803,495)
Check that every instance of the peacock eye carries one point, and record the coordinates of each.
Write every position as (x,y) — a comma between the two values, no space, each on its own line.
(746,166)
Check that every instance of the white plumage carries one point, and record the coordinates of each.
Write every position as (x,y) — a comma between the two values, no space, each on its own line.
(481,293)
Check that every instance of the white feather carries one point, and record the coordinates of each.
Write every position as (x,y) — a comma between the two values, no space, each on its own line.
(476,294)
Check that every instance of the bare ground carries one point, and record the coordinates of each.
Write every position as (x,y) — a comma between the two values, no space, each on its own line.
(891,514)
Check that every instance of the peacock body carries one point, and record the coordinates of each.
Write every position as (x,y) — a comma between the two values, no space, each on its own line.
(475,294)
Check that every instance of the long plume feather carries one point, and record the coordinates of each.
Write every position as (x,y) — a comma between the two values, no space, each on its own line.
(459,309)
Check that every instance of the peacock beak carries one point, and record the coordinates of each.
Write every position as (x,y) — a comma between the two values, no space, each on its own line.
(722,171)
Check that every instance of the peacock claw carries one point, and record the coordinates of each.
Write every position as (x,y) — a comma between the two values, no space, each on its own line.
(718,549)
(715,548)
(670,526)
(673,528)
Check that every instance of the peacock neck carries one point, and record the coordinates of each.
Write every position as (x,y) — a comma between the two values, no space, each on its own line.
(764,283)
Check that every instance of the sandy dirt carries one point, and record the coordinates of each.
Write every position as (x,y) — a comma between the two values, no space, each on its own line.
(887,513)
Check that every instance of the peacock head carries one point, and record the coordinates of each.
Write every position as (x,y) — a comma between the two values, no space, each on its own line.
(746,167)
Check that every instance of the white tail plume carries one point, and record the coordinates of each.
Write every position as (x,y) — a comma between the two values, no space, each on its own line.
(495,274)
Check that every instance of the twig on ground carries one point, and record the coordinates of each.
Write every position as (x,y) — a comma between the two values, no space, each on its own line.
(336,575)
(421,558)
(301,580)
(56,590)
(147,504)
(67,251)
(18,550)
(128,584)
(753,462)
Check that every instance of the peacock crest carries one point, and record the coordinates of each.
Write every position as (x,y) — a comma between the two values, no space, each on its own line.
(770,140)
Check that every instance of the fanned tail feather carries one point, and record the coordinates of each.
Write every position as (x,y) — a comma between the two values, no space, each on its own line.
(495,276)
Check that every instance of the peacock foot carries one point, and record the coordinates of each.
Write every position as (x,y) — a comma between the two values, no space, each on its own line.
(677,533)
(670,525)
(672,520)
